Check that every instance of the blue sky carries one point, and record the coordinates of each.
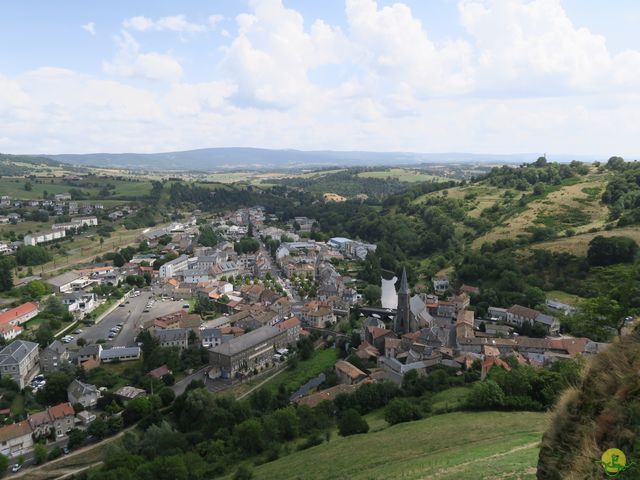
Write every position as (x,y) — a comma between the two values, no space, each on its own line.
(486,76)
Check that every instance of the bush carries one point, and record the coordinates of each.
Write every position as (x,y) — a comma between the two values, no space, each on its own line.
(243,473)
(485,396)
(167,396)
(40,453)
(401,410)
(352,423)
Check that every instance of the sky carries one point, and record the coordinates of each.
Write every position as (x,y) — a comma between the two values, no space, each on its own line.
(478,76)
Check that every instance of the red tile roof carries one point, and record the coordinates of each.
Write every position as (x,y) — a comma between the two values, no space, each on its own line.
(61,410)
(17,312)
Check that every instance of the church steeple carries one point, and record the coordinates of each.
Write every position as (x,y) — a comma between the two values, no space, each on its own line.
(404,284)
(402,322)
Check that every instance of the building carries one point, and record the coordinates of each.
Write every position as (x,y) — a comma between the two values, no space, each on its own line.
(20,361)
(172,337)
(519,315)
(16,439)
(89,352)
(43,237)
(80,303)
(68,282)
(402,320)
(129,393)
(248,352)
(53,356)
(19,314)
(212,337)
(59,419)
(119,354)
(348,373)
(441,285)
(292,326)
(83,393)
(317,315)
(169,269)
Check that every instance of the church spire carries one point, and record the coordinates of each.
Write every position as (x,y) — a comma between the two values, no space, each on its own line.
(404,284)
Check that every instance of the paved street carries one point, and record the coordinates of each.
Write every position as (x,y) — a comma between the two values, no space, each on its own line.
(132,317)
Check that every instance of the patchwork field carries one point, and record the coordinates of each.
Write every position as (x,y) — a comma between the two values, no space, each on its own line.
(461,446)
(403,174)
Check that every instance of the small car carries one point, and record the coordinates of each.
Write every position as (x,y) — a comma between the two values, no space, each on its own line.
(16,467)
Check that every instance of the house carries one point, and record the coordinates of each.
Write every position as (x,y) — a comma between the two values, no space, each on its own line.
(159,372)
(248,352)
(212,337)
(120,354)
(80,303)
(53,356)
(89,352)
(292,326)
(20,361)
(172,337)
(317,315)
(441,284)
(59,419)
(519,315)
(8,332)
(86,417)
(16,439)
(19,314)
(325,395)
(348,373)
(83,393)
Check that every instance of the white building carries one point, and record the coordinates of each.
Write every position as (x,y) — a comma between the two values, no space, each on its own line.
(36,238)
(169,269)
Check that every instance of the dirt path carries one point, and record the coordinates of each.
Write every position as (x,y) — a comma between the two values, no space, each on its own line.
(461,466)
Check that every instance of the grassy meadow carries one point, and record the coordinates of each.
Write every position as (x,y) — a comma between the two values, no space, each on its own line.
(460,446)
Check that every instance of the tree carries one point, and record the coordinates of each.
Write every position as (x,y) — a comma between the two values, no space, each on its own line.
(243,473)
(597,318)
(31,255)
(609,250)
(208,236)
(55,390)
(118,260)
(98,428)
(485,396)
(81,342)
(372,294)
(40,453)
(4,464)
(351,423)
(7,264)
(249,436)
(44,335)
(167,396)
(76,437)
(401,410)
(28,186)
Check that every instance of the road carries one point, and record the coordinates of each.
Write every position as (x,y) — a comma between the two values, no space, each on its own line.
(132,316)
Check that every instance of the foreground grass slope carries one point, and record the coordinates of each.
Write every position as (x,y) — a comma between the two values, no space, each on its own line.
(463,446)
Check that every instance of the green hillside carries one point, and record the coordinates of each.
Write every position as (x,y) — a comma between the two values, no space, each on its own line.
(461,446)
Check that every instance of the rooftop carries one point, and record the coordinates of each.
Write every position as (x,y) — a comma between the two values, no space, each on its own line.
(248,340)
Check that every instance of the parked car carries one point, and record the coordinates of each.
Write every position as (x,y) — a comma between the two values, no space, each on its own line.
(16,467)
(186,305)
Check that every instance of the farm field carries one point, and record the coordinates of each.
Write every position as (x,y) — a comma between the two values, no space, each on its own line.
(461,446)
(403,174)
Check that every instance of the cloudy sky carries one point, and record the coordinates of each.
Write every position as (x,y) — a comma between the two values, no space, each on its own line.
(483,76)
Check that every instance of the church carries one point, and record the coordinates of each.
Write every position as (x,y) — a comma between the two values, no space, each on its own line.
(411,313)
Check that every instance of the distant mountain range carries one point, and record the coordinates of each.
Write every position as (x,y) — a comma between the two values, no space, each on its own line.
(208,159)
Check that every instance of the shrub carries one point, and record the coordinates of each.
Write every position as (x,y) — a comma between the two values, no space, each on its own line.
(401,410)
(351,423)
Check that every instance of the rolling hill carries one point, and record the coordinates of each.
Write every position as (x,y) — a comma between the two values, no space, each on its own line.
(263,159)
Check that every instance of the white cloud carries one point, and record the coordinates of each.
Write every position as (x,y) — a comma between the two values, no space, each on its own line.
(90,27)
(130,62)
(273,53)
(173,23)
(526,78)
(534,48)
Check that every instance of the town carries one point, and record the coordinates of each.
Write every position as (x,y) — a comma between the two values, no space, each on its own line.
(224,300)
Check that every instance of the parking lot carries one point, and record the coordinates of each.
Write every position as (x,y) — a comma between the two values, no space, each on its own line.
(132,316)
